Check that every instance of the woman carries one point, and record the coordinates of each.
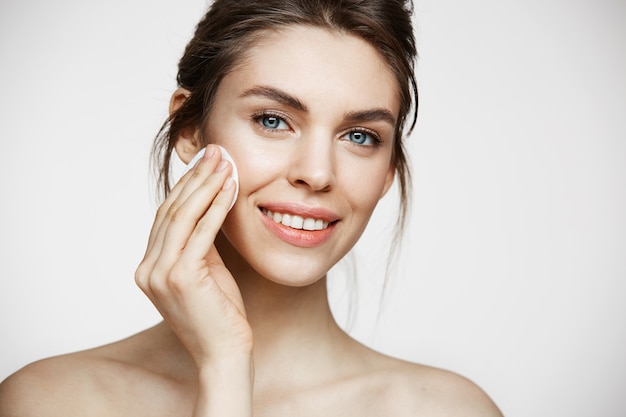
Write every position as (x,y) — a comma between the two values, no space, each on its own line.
(310,98)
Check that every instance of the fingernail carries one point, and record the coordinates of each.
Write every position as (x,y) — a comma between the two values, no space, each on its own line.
(228,183)
(210,151)
(222,166)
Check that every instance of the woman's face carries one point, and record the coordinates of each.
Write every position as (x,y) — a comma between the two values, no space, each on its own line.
(309,119)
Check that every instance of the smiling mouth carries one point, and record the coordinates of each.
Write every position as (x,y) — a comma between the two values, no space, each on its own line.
(295,221)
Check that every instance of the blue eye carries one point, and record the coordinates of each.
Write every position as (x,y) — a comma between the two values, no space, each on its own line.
(361,138)
(273,122)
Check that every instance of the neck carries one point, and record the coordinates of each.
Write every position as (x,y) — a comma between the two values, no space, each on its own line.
(294,330)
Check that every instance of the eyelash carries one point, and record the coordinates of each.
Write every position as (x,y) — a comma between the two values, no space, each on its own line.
(258,119)
(375,137)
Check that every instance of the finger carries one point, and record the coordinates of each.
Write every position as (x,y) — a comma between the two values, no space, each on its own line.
(203,236)
(224,279)
(184,187)
(154,271)
(169,209)
(181,223)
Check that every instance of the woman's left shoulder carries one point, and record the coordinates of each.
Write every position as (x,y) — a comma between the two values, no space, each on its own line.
(423,390)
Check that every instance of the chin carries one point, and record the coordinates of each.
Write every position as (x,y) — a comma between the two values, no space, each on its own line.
(293,275)
(297,267)
(290,270)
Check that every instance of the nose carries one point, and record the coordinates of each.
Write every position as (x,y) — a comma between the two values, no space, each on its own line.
(313,163)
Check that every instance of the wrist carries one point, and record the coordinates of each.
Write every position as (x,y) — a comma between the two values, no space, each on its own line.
(225,387)
(226,365)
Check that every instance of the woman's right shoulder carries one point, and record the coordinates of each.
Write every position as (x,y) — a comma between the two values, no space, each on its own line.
(50,386)
(99,381)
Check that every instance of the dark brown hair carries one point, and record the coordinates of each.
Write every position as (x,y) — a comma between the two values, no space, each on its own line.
(230,28)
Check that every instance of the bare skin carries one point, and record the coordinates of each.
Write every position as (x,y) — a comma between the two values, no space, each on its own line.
(152,374)
(247,327)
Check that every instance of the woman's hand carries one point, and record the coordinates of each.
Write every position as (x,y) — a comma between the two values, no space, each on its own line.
(183,274)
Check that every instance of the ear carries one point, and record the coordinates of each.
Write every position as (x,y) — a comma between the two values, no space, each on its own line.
(391,174)
(188,142)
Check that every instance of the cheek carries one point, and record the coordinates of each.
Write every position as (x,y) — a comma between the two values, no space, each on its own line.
(254,160)
(364,186)
(256,167)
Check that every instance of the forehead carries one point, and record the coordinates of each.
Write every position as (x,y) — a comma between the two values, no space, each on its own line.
(318,64)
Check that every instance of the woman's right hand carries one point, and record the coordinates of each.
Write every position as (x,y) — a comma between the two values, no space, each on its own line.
(183,274)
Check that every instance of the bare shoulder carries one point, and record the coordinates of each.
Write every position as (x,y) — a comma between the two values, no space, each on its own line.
(428,391)
(49,387)
(101,381)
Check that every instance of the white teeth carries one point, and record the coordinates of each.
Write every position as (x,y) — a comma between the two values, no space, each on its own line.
(309,224)
(296,222)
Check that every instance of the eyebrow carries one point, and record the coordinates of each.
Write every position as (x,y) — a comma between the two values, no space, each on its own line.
(373,115)
(276,95)
(286,99)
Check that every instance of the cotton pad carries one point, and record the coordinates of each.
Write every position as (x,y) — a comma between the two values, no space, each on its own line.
(178,168)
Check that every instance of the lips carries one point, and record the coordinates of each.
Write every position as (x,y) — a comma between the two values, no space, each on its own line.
(298,225)
(295,221)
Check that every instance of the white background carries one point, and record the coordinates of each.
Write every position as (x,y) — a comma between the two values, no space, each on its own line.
(513,270)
